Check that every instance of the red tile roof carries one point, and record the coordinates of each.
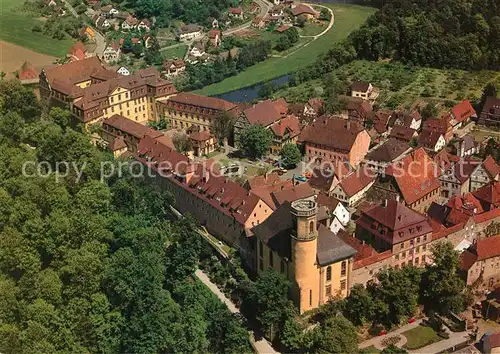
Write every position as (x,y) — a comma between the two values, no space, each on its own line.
(131,127)
(416,175)
(402,133)
(117,143)
(235,10)
(316,103)
(266,112)
(221,193)
(357,181)
(489,194)
(289,124)
(491,166)
(27,72)
(266,180)
(213,33)
(323,179)
(301,191)
(488,247)
(492,214)
(428,139)
(324,199)
(203,101)
(332,132)
(65,76)
(438,125)
(467,260)
(494,340)
(303,9)
(463,111)
(444,159)
(201,136)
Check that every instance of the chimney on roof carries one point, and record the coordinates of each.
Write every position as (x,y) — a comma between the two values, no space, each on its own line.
(384,203)
(397,198)
(348,126)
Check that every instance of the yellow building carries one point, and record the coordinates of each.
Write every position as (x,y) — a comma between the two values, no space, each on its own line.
(186,110)
(94,93)
(314,259)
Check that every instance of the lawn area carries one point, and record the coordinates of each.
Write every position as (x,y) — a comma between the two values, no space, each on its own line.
(419,337)
(347,18)
(15,27)
(371,350)
(176,52)
(312,29)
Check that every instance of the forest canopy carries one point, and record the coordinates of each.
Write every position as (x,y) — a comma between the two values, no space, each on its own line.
(94,267)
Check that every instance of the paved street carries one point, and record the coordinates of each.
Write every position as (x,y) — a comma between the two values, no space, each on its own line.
(264,6)
(262,345)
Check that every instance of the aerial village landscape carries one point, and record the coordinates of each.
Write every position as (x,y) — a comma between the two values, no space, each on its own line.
(250,176)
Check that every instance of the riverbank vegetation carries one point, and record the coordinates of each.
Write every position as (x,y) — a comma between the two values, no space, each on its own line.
(89,265)
(347,19)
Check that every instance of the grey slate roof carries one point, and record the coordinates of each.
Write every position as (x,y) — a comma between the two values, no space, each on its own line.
(331,248)
(275,233)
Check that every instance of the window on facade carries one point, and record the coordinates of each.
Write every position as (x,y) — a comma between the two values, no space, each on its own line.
(425,238)
(328,290)
(310,297)
(396,257)
(311,227)
(402,245)
(343,285)
(343,269)
(328,273)
(418,239)
(423,258)
(403,255)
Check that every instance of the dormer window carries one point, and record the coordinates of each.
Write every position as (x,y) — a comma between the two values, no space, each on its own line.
(401,233)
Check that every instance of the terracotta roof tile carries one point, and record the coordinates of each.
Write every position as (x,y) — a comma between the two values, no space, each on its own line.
(117,143)
(415,175)
(266,112)
(333,132)
(201,136)
(388,151)
(361,86)
(203,101)
(357,181)
(301,191)
(463,111)
(489,194)
(428,138)
(467,260)
(491,166)
(402,133)
(488,247)
(131,127)
(289,124)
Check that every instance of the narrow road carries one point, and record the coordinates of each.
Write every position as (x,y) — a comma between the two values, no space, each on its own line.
(377,341)
(70,8)
(262,346)
(264,6)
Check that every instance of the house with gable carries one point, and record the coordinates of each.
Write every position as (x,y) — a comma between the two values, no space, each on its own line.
(130,23)
(481,262)
(486,172)
(326,179)
(391,226)
(489,196)
(330,139)
(490,115)
(144,25)
(364,90)
(431,140)
(215,37)
(462,114)
(354,187)
(338,213)
(414,179)
(265,113)
(456,180)
(112,52)
(381,156)
(466,146)
(285,131)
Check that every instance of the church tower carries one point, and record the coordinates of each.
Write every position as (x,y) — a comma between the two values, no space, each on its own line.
(304,246)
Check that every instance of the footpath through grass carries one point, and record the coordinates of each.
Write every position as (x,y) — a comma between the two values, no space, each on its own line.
(16,28)
(347,18)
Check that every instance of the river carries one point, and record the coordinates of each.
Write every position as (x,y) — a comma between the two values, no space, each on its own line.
(248,94)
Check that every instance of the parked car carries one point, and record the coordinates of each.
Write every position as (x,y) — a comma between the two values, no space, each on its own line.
(301,178)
